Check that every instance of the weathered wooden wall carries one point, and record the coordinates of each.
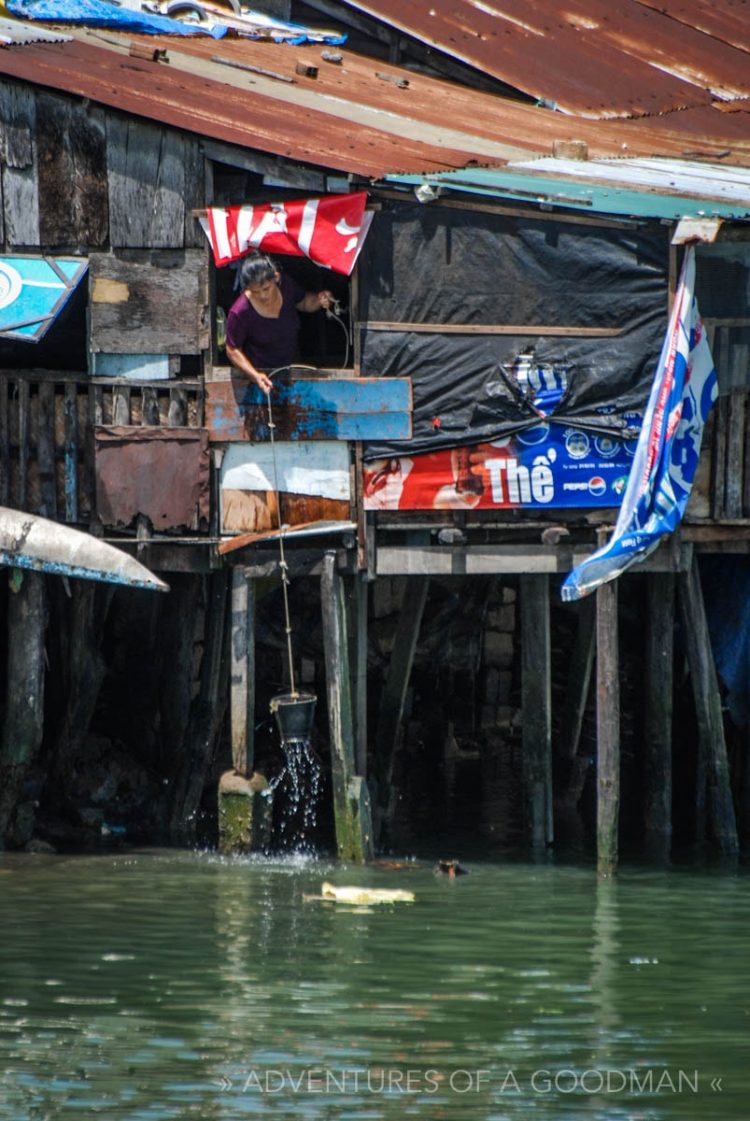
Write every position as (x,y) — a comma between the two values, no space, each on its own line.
(79,177)
(46,427)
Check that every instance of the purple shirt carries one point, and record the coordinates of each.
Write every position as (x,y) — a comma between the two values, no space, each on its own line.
(268,343)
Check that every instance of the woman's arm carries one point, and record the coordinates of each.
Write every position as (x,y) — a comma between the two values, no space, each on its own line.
(240,361)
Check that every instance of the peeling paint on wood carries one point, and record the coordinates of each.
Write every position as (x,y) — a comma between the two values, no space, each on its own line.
(311,408)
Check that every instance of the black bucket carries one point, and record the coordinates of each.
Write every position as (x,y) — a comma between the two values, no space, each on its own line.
(294,714)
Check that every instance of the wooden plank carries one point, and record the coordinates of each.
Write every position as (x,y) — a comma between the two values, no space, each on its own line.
(152,305)
(735,454)
(177,414)
(607,730)
(536,692)
(18,160)
(121,405)
(490,329)
(359,672)
(478,560)
(660,622)
(146,173)
(354,838)
(73,202)
(195,192)
(713,766)
(393,697)
(45,449)
(150,406)
(148,367)
(242,672)
(310,408)
(70,451)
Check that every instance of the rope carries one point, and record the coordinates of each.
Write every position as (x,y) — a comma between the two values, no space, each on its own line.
(282,557)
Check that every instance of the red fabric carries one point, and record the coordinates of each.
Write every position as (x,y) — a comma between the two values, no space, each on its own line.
(329,230)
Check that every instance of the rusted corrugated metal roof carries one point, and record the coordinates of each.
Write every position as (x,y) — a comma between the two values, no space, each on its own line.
(592,58)
(360,116)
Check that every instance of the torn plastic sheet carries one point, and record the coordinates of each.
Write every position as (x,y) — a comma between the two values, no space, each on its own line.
(98,13)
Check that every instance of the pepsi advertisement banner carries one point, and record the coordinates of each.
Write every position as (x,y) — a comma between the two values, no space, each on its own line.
(546,467)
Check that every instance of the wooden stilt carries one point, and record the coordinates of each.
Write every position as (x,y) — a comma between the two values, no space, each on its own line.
(712,747)
(242,670)
(244,810)
(536,688)
(578,685)
(85,668)
(206,715)
(607,730)
(24,707)
(393,696)
(658,730)
(359,673)
(350,798)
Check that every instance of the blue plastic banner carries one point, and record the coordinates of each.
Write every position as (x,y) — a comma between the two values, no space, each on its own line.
(33,290)
(666,456)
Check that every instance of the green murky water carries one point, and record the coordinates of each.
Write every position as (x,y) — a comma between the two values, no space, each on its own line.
(175,985)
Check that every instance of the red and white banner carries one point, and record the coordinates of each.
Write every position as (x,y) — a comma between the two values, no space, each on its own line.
(329,230)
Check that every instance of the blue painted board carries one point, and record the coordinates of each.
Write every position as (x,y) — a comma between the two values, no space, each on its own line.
(310,408)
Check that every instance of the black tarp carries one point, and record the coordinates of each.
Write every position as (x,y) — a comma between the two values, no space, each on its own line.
(438,265)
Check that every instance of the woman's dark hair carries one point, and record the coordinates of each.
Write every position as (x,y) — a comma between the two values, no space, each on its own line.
(257,269)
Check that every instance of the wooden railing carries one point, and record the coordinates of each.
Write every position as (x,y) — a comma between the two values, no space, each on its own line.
(46,433)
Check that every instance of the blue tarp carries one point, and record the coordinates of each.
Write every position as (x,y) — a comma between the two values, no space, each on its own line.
(98,13)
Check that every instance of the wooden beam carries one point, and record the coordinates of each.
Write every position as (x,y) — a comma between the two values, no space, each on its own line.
(712,766)
(607,730)
(242,672)
(354,839)
(659,688)
(490,329)
(536,691)
(393,696)
(477,560)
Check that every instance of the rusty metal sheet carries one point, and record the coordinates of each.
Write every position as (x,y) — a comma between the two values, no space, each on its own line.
(204,105)
(162,473)
(328,121)
(588,57)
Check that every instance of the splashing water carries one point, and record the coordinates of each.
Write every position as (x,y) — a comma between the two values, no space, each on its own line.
(298,788)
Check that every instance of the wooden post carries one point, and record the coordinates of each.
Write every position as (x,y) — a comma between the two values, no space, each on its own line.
(393,697)
(350,798)
(244,810)
(712,748)
(536,688)
(607,730)
(85,668)
(358,618)
(580,666)
(206,714)
(24,706)
(658,730)
(242,671)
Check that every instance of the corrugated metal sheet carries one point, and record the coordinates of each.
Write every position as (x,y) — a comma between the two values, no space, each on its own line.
(639,188)
(162,473)
(590,57)
(15,33)
(220,102)
(360,116)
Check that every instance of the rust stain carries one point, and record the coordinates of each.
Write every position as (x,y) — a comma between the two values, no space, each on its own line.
(162,473)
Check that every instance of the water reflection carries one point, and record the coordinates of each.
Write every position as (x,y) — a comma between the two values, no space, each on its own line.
(174,985)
